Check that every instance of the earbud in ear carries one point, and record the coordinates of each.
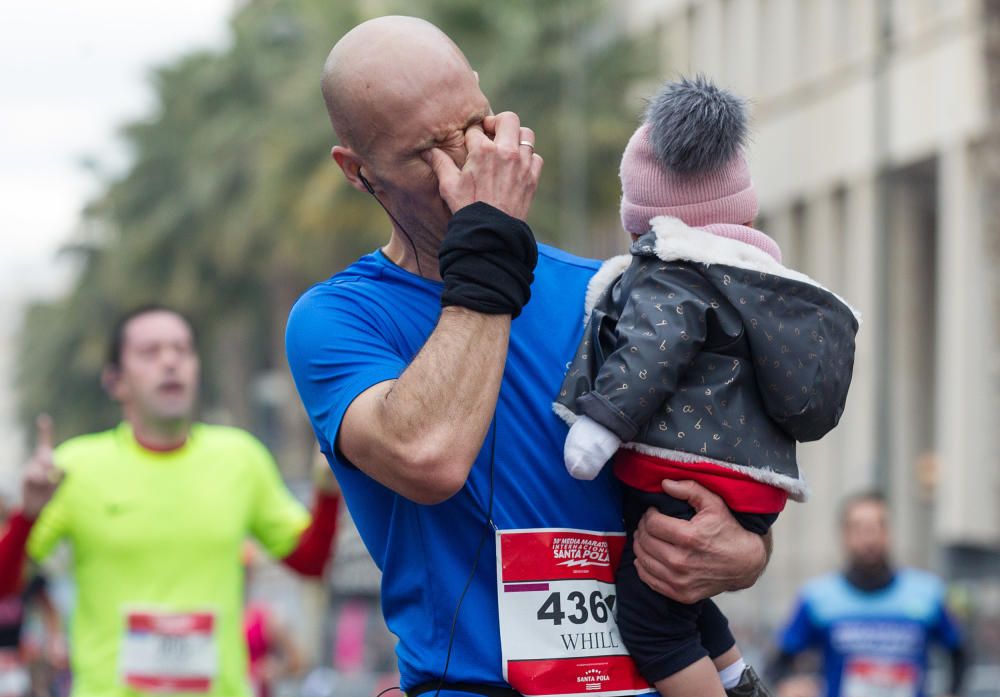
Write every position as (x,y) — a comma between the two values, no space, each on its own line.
(367,184)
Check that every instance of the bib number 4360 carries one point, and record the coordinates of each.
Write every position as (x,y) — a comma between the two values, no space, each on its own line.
(598,606)
(556,601)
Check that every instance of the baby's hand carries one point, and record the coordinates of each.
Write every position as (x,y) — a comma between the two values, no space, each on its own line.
(588,447)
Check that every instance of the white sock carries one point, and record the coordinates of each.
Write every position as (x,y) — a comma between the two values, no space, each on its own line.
(730,675)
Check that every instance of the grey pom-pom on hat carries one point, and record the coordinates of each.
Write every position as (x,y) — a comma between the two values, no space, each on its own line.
(695,126)
(687,159)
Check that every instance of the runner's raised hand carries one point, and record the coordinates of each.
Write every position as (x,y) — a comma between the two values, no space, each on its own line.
(41,476)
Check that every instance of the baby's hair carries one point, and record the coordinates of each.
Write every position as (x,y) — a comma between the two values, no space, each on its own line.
(696,127)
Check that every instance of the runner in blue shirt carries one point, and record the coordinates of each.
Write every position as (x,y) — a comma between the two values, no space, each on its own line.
(402,359)
(873,624)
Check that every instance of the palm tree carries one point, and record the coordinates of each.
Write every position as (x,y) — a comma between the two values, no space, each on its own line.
(231,206)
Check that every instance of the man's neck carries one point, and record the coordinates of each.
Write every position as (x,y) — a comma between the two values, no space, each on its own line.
(401,253)
(160,437)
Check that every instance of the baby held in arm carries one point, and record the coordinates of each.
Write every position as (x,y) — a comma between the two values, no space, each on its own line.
(704,358)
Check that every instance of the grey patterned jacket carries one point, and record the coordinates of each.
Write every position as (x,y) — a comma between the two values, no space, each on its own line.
(703,348)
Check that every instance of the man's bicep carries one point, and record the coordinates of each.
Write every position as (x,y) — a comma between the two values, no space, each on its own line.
(336,356)
(359,439)
(366,441)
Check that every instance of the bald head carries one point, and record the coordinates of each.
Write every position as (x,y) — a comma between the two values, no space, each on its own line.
(382,68)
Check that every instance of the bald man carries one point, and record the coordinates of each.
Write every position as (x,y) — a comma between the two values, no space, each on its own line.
(428,378)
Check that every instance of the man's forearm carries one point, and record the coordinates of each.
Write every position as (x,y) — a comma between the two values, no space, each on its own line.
(420,433)
(445,399)
(768,538)
(755,561)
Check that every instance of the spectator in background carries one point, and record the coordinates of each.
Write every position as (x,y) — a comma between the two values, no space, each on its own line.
(873,622)
(156,511)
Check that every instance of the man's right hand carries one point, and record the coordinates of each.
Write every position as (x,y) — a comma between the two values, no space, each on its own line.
(41,476)
(689,560)
(499,171)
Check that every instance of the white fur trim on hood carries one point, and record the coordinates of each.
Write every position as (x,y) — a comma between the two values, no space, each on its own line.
(605,276)
(676,241)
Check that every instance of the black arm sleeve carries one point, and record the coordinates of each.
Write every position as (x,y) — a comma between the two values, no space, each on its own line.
(487,261)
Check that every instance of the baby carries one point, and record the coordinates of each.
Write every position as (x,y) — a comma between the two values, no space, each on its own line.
(704,359)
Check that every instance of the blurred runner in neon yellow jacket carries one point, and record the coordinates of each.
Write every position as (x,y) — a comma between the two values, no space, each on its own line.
(156,511)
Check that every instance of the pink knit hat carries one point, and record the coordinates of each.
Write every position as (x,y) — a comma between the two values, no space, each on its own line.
(649,189)
(687,160)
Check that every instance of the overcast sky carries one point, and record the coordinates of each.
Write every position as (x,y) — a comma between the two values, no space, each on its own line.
(70,74)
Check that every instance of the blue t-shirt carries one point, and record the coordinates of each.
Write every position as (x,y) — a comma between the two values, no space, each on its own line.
(364,326)
(882,636)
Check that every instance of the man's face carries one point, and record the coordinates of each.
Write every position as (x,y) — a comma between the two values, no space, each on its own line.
(866,534)
(406,182)
(158,376)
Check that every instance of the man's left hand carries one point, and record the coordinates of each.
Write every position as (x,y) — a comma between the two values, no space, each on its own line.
(689,560)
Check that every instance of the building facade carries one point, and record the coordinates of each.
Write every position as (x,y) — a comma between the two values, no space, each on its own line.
(868,123)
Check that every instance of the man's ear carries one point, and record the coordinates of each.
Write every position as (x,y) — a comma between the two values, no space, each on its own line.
(350,165)
(111,381)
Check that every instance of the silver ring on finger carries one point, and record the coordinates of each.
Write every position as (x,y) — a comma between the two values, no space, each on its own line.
(529,144)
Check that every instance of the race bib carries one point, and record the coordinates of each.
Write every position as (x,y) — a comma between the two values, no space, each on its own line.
(14,680)
(556,596)
(870,678)
(169,652)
